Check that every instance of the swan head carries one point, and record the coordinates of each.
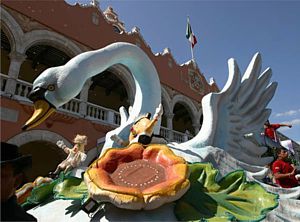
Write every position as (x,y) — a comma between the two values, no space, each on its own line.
(51,89)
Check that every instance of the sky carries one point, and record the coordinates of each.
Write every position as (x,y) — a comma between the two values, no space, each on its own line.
(226,29)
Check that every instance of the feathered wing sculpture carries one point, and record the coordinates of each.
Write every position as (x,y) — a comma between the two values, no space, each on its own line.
(240,108)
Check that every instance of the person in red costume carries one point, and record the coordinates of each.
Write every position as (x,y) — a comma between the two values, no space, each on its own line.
(269,137)
(283,171)
(270,130)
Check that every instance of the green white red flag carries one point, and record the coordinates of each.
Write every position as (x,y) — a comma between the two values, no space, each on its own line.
(190,35)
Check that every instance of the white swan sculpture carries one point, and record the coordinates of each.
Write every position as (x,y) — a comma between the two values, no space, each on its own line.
(56,86)
(238,109)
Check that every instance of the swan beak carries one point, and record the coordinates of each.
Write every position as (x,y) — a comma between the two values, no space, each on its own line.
(42,110)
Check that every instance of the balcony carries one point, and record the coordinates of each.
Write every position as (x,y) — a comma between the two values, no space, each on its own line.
(86,110)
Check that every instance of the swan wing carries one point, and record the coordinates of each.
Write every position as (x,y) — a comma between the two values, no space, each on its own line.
(239,108)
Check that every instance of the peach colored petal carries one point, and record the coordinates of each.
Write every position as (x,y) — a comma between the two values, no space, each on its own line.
(114,157)
(177,176)
(161,154)
(101,186)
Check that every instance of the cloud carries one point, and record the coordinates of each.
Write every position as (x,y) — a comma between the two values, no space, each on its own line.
(288,113)
(293,122)
(284,129)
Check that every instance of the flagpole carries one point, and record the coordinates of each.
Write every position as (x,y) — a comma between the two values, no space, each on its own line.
(192,51)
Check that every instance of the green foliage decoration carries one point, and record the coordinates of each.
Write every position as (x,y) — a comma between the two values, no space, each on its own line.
(231,198)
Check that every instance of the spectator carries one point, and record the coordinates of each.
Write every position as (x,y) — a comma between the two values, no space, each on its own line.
(270,130)
(13,165)
(283,171)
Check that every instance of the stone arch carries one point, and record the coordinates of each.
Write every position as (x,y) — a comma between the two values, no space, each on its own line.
(41,145)
(199,116)
(12,29)
(188,104)
(34,135)
(43,40)
(6,47)
(166,100)
(126,78)
(52,39)
(121,79)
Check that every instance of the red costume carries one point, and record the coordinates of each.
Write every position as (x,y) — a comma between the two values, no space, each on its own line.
(270,131)
(280,166)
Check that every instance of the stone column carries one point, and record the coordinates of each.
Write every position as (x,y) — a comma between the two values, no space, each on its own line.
(84,97)
(169,117)
(186,134)
(111,117)
(16,60)
(196,127)
(130,101)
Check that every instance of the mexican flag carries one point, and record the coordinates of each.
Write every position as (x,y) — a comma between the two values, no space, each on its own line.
(190,35)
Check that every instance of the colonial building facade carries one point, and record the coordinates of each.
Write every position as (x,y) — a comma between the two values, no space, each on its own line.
(36,35)
(41,34)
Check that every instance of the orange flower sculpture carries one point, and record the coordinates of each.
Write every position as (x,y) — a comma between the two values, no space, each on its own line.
(138,178)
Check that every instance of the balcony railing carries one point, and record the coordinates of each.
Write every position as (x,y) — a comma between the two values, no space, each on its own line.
(93,112)
(172,135)
(3,82)
(117,118)
(165,132)
(23,88)
(97,112)
(72,106)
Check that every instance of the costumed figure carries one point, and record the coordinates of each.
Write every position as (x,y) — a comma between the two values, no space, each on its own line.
(75,156)
(270,130)
(269,137)
(142,130)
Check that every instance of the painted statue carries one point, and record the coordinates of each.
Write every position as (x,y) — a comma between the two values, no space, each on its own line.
(238,109)
(142,130)
(75,156)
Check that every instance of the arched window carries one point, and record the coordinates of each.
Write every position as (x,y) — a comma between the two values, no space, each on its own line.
(182,120)
(42,164)
(108,91)
(116,29)
(39,58)
(5,50)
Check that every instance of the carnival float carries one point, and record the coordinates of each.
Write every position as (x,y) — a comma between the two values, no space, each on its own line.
(215,176)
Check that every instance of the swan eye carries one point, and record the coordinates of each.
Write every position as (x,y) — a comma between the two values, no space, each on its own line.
(51,87)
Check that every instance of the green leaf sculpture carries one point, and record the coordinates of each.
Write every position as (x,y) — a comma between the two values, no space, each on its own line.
(64,187)
(40,194)
(230,199)
(71,188)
